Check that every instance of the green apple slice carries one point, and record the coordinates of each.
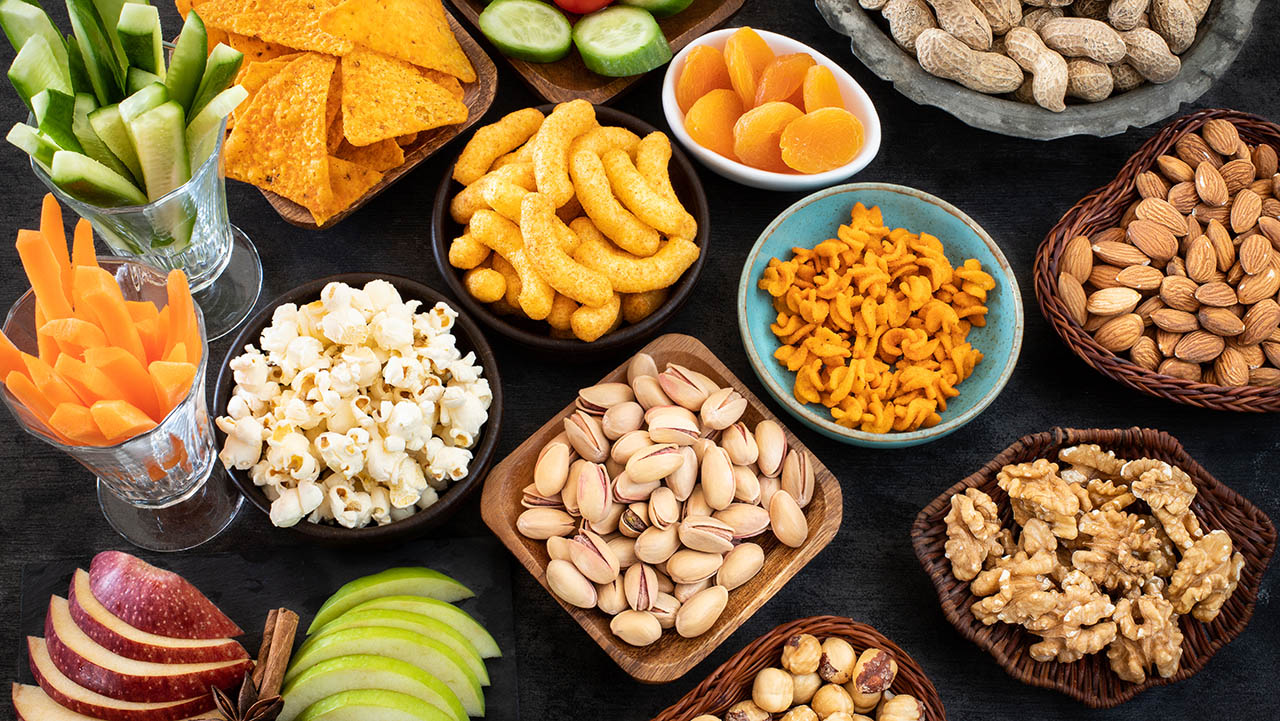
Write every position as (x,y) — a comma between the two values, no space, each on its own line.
(459,620)
(368,704)
(425,625)
(426,653)
(391,582)
(350,673)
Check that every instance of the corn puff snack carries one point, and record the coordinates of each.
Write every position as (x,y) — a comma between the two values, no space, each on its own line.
(875,323)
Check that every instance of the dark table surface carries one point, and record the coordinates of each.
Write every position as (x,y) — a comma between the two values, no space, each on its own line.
(1015,188)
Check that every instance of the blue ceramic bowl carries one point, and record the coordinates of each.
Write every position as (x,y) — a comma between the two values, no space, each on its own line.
(817,217)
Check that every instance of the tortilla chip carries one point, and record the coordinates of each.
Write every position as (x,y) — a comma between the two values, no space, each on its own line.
(292,23)
(416,31)
(381,156)
(279,141)
(256,49)
(448,82)
(333,111)
(349,182)
(253,76)
(383,97)
(405,141)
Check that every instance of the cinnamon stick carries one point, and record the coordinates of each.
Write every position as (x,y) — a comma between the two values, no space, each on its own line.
(268,631)
(278,651)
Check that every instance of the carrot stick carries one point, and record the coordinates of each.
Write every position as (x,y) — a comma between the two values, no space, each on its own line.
(88,382)
(130,375)
(44,273)
(172,382)
(10,357)
(152,341)
(28,395)
(104,297)
(56,236)
(73,335)
(182,316)
(76,423)
(82,252)
(48,382)
(46,347)
(178,354)
(119,420)
(140,310)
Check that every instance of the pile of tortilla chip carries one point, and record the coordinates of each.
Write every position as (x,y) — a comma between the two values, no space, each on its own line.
(337,90)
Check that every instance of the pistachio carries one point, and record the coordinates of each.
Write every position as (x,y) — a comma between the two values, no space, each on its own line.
(683,479)
(611,598)
(634,520)
(530,498)
(614,468)
(608,524)
(656,545)
(701,446)
(771,443)
(641,586)
(773,690)
(769,485)
(697,615)
(797,476)
(664,509)
(595,492)
(626,490)
(543,523)
(703,533)
(875,671)
(746,711)
(599,398)
(624,549)
(746,485)
(627,445)
(665,584)
(740,444)
(801,713)
(638,628)
(801,654)
(806,684)
(740,565)
(683,386)
(558,547)
(664,608)
(831,699)
(687,565)
(649,392)
(787,520)
(621,420)
(658,413)
(642,364)
(722,409)
(717,478)
(569,585)
(747,521)
(551,470)
(570,492)
(696,503)
(837,662)
(591,554)
(586,436)
(668,427)
(654,463)
(686,591)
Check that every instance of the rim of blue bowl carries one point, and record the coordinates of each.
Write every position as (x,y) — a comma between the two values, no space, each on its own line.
(802,412)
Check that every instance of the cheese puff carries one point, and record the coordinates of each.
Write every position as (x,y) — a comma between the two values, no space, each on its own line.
(538,225)
(603,139)
(505,197)
(590,323)
(640,198)
(562,309)
(616,222)
(523,154)
(511,279)
(627,273)
(466,253)
(653,160)
(493,141)
(638,306)
(485,284)
(471,198)
(551,148)
(503,237)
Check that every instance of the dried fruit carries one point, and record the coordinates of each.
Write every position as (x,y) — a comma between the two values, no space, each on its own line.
(746,55)
(704,70)
(820,89)
(757,135)
(711,119)
(783,78)
(822,140)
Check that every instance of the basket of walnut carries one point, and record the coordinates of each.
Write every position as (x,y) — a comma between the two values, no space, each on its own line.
(1098,563)
(1166,279)
(822,667)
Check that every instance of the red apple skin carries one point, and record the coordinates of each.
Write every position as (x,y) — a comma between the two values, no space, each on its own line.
(128,687)
(81,700)
(155,600)
(93,618)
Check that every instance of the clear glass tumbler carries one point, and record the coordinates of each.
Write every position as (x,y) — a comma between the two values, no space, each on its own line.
(160,490)
(187,229)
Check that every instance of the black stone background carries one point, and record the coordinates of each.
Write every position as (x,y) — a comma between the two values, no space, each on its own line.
(1017,189)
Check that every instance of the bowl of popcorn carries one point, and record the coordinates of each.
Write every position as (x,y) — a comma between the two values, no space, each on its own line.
(879,315)
(358,407)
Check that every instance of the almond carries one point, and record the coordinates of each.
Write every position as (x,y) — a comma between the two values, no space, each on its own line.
(1260,321)
(1208,377)
(1145,353)
(1095,322)
(1179,293)
(1201,260)
(1220,321)
(1221,136)
(1161,211)
(1152,238)
(1255,254)
(1120,254)
(1175,169)
(1235,274)
(1166,341)
(1267,377)
(1264,159)
(1115,232)
(1073,298)
(1224,249)
(1270,227)
(1272,350)
(1193,228)
(1252,353)
(1253,288)
(1205,213)
(1192,149)
(1271,206)
(1077,258)
(1104,276)
(1130,214)
(1238,174)
(1141,277)
(1183,197)
(1262,187)
(1176,266)
(1230,368)
(1175,321)
(1151,185)
(1113,301)
(1210,186)
(1147,307)
(1119,333)
(1243,151)
(1245,210)
(1180,369)
(1199,346)
(1217,294)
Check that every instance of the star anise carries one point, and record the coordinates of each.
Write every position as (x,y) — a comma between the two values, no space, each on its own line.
(247,706)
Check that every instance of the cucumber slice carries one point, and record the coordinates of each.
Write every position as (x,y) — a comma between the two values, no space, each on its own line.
(31,142)
(148,98)
(204,129)
(35,69)
(137,79)
(109,11)
(219,70)
(186,65)
(110,128)
(620,41)
(87,180)
(54,110)
(139,31)
(527,29)
(103,65)
(160,138)
(80,81)
(659,8)
(21,21)
(89,140)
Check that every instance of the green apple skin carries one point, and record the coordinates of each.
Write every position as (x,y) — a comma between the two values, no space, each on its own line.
(426,653)
(411,581)
(425,625)
(352,673)
(366,704)
(460,620)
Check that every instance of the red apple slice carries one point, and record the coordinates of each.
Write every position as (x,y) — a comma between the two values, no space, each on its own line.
(97,669)
(116,636)
(81,700)
(155,600)
(33,704)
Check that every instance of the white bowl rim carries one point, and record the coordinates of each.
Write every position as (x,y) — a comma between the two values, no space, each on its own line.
(741,172)
(894,438)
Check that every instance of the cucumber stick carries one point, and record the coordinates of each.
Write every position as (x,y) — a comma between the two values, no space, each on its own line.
(137,79)
(35,69)
(186,66)
(659,8)
(620,41)
(54,110)
(110,128)
(103,66)
(31,142)
(219,70)
(139,32)
(109,12)
(160,139)
(87,180)
(89,140)
(80,81)
(21,21)
(527,29)
(152,96)
(205,128)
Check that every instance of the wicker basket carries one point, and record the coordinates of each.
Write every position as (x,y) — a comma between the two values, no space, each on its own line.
(1091,679)
(1103,209)
(731,682)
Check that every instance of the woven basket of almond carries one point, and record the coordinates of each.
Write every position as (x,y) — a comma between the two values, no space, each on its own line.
(1166,278)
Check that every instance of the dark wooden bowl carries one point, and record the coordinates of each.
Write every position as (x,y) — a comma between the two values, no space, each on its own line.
(536,334)
(1091,680)
(469,339)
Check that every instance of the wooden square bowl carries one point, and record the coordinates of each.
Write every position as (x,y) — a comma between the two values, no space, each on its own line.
(1091,680)
(672,655)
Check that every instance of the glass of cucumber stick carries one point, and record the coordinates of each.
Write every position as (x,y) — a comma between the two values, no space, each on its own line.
(134,145)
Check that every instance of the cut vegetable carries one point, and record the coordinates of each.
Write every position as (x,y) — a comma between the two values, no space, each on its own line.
(10,356)
(148,98)
(120,420)
(28,395)
(182,318)
(99,291)
(21,21)
(109,12)
(35,69)
(89,383)
(76,423)
(136,79)
(172,382)
(82,246)
(31,142)
(96,45)
(186,66)
(659,8)
(54,111)
(110,129)
(45,274)
(90,143)
(527,29)
(89,181)
(160,137)
(80,81)
(219,70)
(130,374)
(139,31)
(50,385)
(204,130)
(74,335)
(621,41)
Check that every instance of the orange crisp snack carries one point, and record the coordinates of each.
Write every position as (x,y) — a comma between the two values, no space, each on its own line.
(107,368)
(789,116)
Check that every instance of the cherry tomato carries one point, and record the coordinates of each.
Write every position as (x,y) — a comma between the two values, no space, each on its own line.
(581,7)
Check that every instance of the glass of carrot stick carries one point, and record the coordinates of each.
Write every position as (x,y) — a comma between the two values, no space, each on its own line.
(104,359)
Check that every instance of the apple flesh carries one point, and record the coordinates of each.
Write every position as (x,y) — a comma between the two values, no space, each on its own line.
(456,618)
(391,582)
(155,600)
(33,704)
(425,625)
(113,634)
(351,673)
(366,704)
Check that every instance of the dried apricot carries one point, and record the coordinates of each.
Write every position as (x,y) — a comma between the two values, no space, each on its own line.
(757,132)
(710,121)
(704,70)
(822,140)
(782,77)
(821,89)
(746,54)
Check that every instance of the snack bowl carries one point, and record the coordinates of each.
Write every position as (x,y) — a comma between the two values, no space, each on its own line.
(470,339)
(1091,680)
(856,99)
(816,218)
(536,334)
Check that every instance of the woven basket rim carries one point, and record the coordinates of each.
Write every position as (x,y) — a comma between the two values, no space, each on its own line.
(1099,209)
(1253,534)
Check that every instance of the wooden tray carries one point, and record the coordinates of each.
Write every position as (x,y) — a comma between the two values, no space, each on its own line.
(1091,680)
(568,78)
(477,96)
(673,655)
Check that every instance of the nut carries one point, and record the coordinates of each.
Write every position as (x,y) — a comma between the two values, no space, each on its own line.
(875,671)
(740,565)
(1245,210)
(664,509)
(801,654)
(642,364)
(621,420)
(683,479)
(593,557)
(1149,54)
(640,583)
(1210,185)
(718,484)
(1260,321)
(1255,254)
(1199,346)
(551,470)
(907,19)
(638,628)
(1217,294)
(656,545)
(1140,277)
(689,566)
(747,521)
(801,713)
(1083,37)
(540,524)
(746,485)
(771,445)
(1179,293)
(635,520)
(595,492)
(686,387)
(611,598)
(1254,288)
(963,21)
(1152,239)
(1048,68)
(685,591)
(664,608)
(746,711)
(1077,255)
(704,533)
(1113,301)
(586,436)
(943,55)
(1221,136)
(797,475)
(569,585)
(1220,321)
(649,392)
(772,690)
(787,520)
(654,463)
(1073,298)
(600,398)
(628,444)
(697,615)
(722,409)
(831,699)
(1120,332)
(837,661)
(740,444)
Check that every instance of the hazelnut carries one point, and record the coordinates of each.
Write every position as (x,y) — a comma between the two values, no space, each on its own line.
(773,690)
(801,654)
(804,686)
(831,699)
(837,662)
(746,711)
(800,713)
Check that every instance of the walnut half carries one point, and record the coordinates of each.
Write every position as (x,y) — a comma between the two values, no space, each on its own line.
(1206,577)
(1148,636)
(973,529)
